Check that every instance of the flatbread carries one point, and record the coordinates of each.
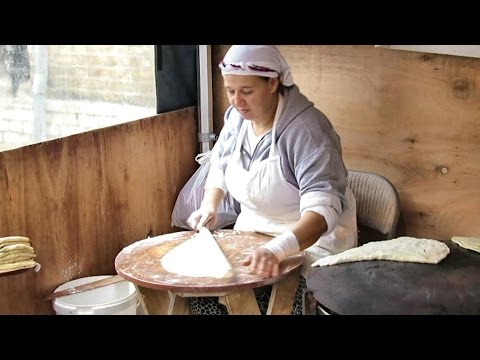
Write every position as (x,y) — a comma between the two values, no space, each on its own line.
(6,256)
(14,239)
(16,247)
(16,257)
(468,242)
(199,256)
(10,240)
(17,266)
(405,249)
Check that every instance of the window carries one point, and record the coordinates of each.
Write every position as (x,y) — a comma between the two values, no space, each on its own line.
(51,91)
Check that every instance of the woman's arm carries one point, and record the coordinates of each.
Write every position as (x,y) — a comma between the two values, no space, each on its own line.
(309,229)
(215,187)
(265,260)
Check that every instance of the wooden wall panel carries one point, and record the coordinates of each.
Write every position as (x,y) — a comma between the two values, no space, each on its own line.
(412,117)
(83,198)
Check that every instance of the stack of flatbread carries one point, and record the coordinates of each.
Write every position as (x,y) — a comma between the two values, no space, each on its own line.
(16,252)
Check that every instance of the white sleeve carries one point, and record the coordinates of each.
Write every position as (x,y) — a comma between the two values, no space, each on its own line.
(327,205)
(216,178)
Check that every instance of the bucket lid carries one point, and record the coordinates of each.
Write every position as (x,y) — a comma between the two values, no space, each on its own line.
(121,294)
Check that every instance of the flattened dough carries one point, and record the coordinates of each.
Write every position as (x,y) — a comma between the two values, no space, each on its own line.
(199,256)
(468,242)
(405,248)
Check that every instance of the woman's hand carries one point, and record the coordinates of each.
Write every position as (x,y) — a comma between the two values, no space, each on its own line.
(205,216)
(262,262)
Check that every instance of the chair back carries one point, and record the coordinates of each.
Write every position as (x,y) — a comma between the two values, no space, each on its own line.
(378,203)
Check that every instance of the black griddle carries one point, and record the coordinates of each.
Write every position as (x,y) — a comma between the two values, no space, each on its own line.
(451,287)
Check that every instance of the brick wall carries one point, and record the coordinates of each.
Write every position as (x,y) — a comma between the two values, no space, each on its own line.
(112,73)
(88,86)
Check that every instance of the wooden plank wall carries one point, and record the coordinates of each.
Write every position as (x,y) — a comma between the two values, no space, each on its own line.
(410,116)
(83,198)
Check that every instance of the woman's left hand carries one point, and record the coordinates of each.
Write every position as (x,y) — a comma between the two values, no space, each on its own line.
(262,262)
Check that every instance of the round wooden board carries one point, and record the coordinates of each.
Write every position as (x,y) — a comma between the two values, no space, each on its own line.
(140,263)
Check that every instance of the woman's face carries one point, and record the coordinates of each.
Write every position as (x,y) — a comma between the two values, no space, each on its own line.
(253,96)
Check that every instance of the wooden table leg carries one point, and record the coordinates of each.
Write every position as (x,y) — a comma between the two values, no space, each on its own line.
(178,305)
(283,295)
(241,302)
(159,302)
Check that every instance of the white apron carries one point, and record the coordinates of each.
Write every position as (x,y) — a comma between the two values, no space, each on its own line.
(270,205)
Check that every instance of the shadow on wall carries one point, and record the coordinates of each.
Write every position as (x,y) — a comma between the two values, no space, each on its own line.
(17,63)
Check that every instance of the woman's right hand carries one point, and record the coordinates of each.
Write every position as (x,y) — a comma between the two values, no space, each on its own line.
(263,263)
(205,216)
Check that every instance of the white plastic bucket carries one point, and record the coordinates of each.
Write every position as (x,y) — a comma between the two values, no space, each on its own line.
(115,299)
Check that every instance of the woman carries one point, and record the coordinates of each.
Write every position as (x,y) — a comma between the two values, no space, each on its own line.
(281,159)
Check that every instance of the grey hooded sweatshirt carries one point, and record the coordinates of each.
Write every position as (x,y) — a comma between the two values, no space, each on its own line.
(309,149)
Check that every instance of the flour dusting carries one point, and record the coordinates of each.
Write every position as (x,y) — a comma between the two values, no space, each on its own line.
(157,240)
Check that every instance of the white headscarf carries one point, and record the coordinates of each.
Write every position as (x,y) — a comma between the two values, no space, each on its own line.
(261,60)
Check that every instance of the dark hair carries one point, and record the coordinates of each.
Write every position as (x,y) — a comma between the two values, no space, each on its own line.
(280,85)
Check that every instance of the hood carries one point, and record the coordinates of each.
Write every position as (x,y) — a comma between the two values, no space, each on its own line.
(295,103)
